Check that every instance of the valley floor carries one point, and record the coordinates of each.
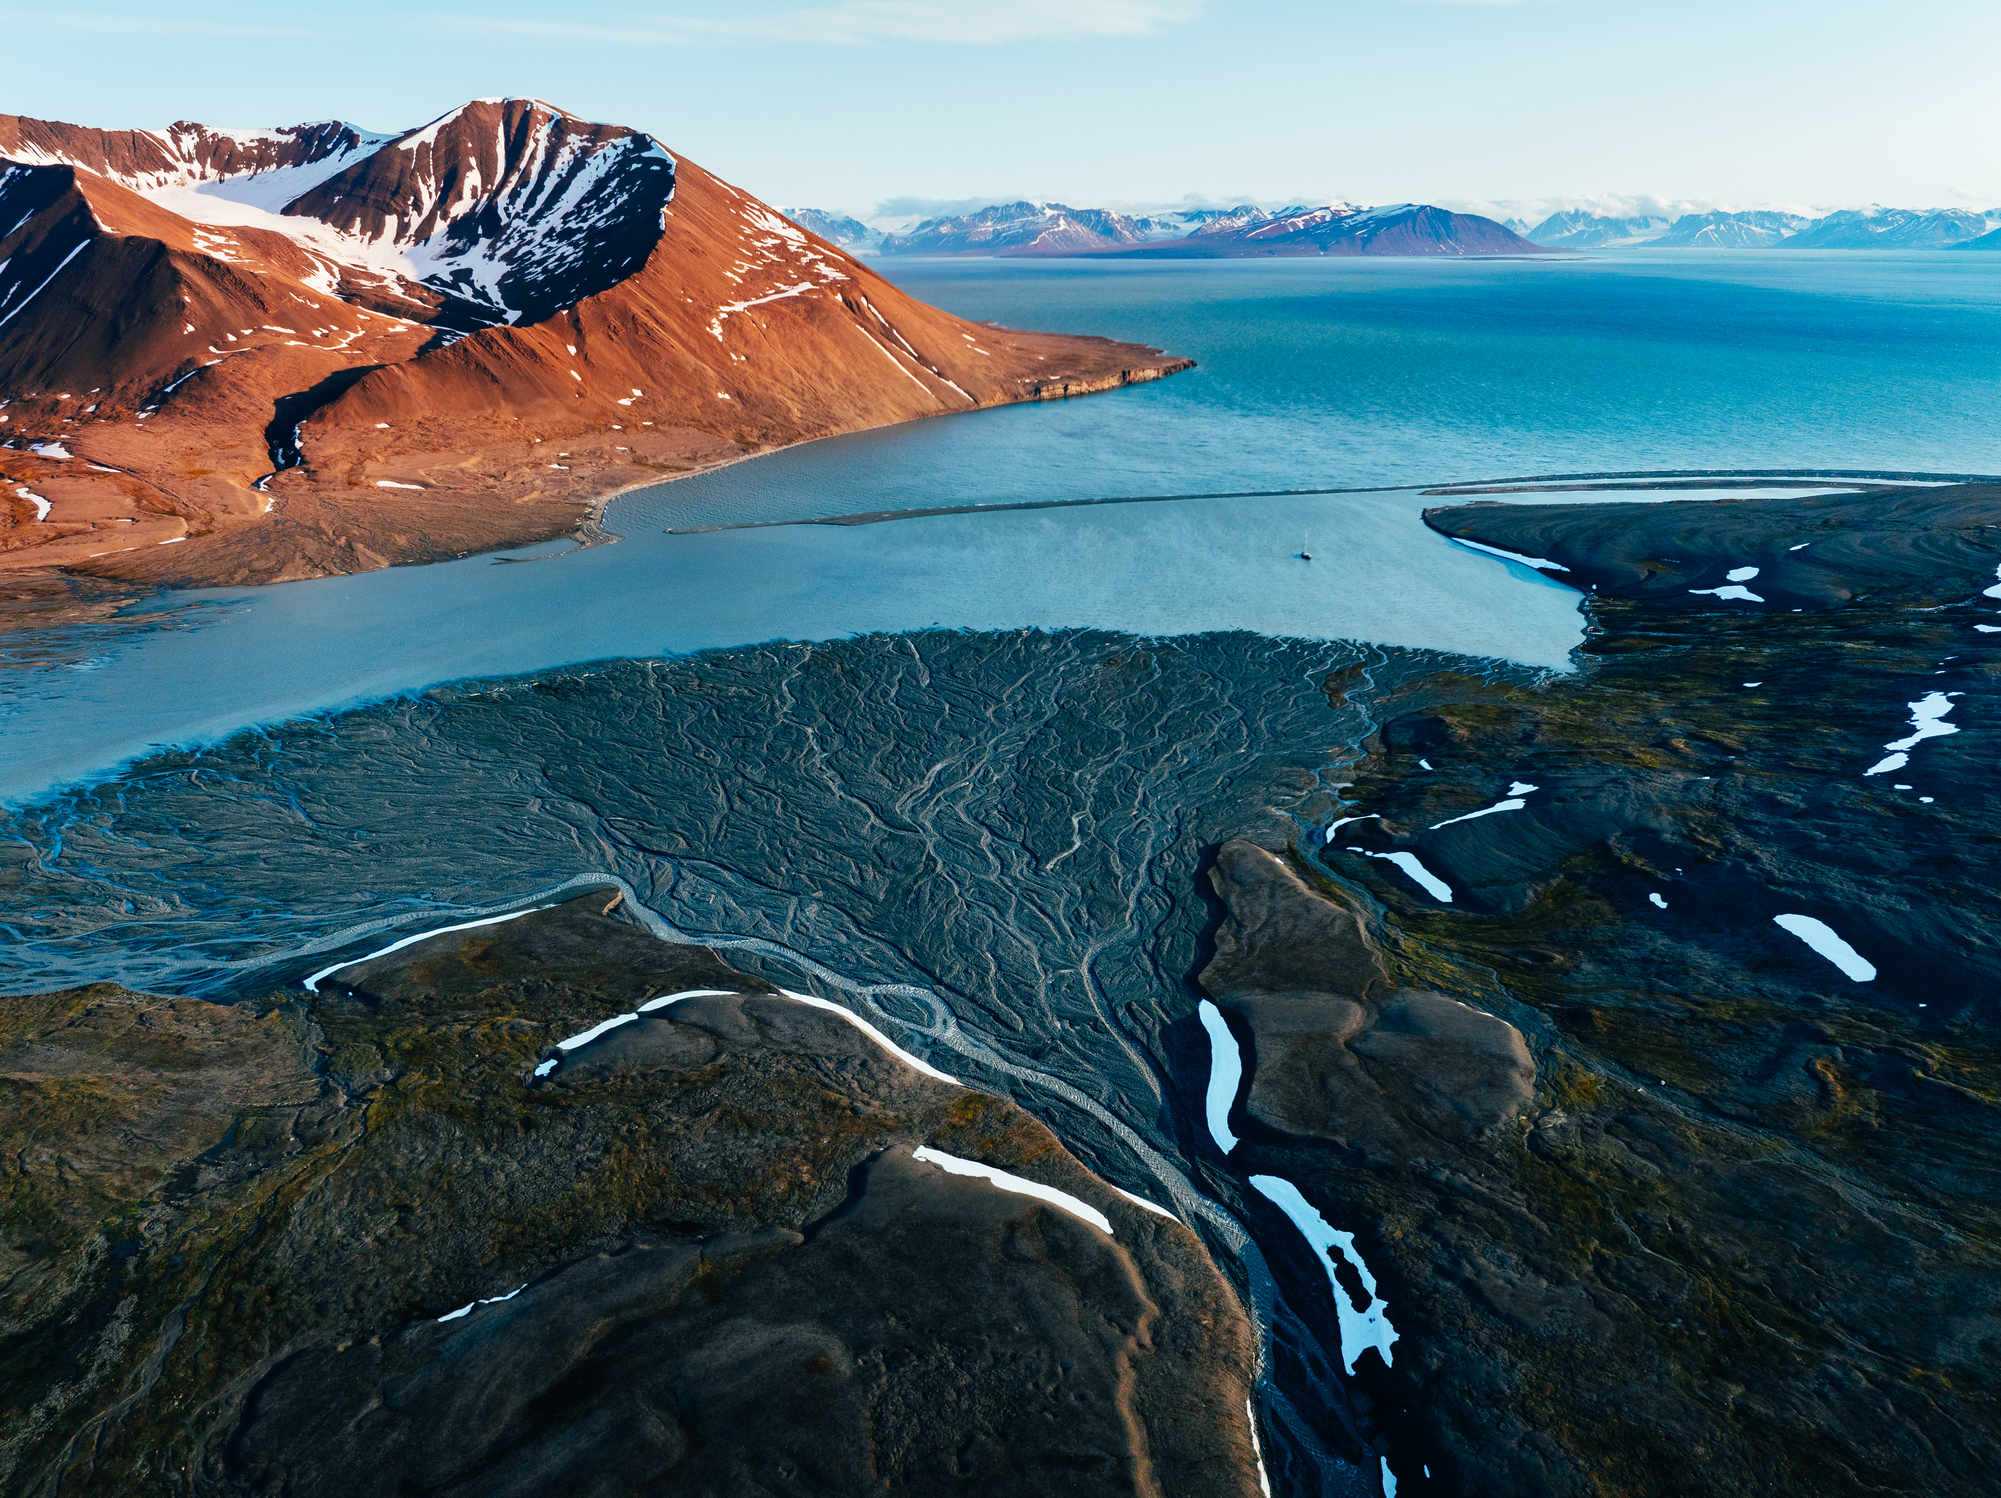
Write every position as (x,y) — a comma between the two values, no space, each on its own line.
(1654,1195)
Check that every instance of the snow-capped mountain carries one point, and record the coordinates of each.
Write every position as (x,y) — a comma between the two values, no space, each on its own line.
(1227,220)
(189,155)
(503,308)
(1753,230)
(849,233)
(1892,228)
(1579,229)
(498,212)
(1848,229)
(511,207)
(1026,229)
(1344,229)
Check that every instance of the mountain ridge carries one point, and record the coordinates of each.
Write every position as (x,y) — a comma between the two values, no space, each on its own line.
(1343,229)
(1011,228)
(1843,229)
(1027,228)
(316,349)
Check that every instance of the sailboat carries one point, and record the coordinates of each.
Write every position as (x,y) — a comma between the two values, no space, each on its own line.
(1304,554)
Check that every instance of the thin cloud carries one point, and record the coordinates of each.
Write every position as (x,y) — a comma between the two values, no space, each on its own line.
(857,22)
(918,207)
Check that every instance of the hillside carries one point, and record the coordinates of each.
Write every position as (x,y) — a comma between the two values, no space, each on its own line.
(316,350)
(731,1242)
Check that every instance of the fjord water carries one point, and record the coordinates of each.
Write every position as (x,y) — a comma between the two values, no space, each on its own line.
(1417,372)
(1321,375)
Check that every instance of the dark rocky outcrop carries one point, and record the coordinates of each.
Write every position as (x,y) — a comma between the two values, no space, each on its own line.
(1742,1239)
(353,1245)
(1341,1054)
(1926,544)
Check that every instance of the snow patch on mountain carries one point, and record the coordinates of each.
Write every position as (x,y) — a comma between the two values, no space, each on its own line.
(516,223)
(1028,228)
(271,190)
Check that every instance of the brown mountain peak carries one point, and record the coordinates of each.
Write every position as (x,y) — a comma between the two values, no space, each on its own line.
(493,317)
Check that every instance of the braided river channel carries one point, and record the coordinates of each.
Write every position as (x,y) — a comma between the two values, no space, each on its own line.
(960,772)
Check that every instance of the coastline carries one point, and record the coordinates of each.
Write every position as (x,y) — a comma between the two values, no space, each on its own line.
(591,530)
(69,621)
(25,597)
(1667,485)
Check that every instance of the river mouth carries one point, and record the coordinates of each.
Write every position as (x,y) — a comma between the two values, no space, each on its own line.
(1381,378)
(989,844)
(980,795)
(1332,564)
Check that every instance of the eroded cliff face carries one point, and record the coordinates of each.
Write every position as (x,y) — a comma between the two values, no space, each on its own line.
(394,1237)
(1726,1225)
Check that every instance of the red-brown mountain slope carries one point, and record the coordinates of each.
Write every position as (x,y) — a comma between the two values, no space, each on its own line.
(313,350)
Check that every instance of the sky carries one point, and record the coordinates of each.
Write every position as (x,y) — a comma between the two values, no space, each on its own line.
(850,104)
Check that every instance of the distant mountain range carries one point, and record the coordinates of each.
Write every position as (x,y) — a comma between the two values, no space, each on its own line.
(1895,228)
(1028,229)
(1758,229)
(1343,229)
(1031,228)
(849,234)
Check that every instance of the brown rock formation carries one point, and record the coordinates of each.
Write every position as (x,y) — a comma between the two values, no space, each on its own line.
(312,351)
(1339,1053)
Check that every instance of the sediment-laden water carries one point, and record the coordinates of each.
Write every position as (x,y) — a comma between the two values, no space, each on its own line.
(988,843)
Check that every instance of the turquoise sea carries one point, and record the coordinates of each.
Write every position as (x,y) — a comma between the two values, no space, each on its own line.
(1417,371)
